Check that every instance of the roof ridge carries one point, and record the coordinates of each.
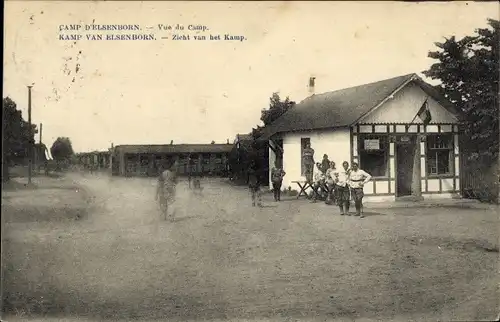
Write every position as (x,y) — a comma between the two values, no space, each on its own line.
(406,76)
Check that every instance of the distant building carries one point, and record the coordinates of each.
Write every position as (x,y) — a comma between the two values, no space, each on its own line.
(95,160)
(145,160)
(376,125)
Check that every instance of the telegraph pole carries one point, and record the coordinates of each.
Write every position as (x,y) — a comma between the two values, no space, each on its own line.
(30,131)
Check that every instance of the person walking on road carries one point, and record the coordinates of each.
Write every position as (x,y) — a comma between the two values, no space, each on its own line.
(254,184)
(277,174)
(165,191)
(357,179)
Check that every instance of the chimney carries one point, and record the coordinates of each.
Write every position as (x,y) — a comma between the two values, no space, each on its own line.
(227,141)
(171,142)
(311,85)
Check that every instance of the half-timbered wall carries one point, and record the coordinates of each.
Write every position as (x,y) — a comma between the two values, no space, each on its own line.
(431,184)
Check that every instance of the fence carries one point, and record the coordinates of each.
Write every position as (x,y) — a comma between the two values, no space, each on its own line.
(479,179)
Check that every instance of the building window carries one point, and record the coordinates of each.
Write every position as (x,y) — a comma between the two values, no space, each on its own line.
(206,158)
(374,154)
(303,143)
(439,154)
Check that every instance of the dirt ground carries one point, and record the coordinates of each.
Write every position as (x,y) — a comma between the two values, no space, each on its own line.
(222,259)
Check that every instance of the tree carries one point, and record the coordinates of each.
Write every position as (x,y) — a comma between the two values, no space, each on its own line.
(277,107)
(17,137)
(468,70)
(62,149)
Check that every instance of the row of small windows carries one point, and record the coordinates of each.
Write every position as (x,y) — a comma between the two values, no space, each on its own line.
(374,154)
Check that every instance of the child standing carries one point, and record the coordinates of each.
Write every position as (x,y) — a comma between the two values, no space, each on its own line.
(277,175)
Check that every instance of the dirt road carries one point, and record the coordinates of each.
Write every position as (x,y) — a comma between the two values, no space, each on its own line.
(223,259)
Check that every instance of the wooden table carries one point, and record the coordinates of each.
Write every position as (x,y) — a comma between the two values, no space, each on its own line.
(303,186)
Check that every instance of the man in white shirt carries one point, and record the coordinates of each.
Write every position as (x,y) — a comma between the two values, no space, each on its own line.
(357,179)
(343,195)
(319,180)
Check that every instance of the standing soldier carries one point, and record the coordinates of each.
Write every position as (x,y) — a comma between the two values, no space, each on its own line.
(330,182)
(319,182)
(342,188)
(357,179)
(325,163)
(277,175)
(165,191)
(308,159)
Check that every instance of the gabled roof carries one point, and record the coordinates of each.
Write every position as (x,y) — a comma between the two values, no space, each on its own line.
(177,148)
(345,107)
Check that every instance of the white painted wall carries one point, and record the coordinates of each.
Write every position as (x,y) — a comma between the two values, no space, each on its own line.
(335,143)
(403,107)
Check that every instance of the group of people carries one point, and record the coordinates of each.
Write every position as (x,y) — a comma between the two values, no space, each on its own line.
(339,184)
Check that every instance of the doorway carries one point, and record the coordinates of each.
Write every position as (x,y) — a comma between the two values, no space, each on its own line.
(405,155)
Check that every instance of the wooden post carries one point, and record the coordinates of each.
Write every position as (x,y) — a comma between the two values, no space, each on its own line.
(417,178)
(31,137)
(111,154)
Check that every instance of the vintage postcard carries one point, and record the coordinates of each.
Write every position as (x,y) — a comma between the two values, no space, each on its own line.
(250,161)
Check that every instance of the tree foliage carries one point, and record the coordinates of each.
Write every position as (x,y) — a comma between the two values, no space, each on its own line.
(62,149)
(277,107)
(253,150)
(16,135)
(468,69)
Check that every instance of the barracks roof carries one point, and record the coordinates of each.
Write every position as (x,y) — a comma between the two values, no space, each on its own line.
(175,148)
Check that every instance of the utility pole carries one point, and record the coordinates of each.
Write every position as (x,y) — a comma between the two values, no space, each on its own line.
(41,133)
(31,137)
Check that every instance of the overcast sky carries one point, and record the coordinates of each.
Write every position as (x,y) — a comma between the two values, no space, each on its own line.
(151,92)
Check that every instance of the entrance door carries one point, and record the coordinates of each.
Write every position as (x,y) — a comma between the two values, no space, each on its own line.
(405,154)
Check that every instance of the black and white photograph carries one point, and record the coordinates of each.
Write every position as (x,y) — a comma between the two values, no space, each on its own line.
(250,161)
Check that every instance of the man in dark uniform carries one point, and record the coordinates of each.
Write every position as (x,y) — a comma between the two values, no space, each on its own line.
(254,184)
(308,159)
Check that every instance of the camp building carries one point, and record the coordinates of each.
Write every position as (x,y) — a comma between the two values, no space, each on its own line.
(145,160)
(400,130)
